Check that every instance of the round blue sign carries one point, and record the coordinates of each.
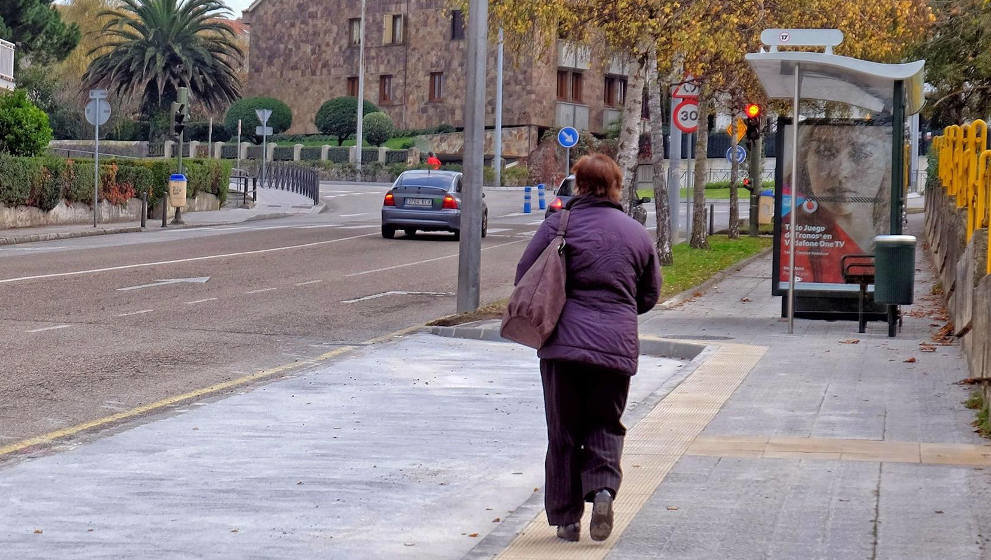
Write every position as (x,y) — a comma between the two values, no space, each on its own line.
(567,137)
(741,154)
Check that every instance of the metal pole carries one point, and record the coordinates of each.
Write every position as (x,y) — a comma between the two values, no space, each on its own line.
(96,163)
(795,174)
(898,157)
(264,156)
(183,95)
(567,162)
(913,177)
(238,147)
(690,185)
(361,90)
(497,160)
(144,209)
(209,138)
(674,174)
(470,258)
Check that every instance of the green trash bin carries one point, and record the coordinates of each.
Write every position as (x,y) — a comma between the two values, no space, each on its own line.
(894,269)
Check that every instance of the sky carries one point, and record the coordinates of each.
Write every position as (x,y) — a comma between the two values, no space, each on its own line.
(237,5)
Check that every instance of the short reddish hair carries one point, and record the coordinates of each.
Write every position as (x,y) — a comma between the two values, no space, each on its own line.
(597,175)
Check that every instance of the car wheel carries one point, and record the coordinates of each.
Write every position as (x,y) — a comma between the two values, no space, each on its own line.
(485,224)
(388,232)
(410,232)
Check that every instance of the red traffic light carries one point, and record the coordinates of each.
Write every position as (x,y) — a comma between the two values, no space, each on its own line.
(752,110)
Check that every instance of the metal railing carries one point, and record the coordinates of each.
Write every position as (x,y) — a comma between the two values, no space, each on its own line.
(71,152)
(241,184)
(292,178)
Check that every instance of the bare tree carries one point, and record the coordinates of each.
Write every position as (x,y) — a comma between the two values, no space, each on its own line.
(661,205)
(699,239)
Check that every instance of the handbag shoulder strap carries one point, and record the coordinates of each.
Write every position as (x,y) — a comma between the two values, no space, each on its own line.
(562,228)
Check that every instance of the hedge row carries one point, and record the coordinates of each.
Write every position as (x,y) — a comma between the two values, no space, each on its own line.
(44,181)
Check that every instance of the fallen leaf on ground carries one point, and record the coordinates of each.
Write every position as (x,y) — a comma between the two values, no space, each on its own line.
(38,531)
(910,360)
(672,508)
(850,341)
(927,347)
(472,535)
(745,299)
(496,520)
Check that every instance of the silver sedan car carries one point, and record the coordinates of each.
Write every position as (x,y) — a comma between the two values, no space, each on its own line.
(425,200)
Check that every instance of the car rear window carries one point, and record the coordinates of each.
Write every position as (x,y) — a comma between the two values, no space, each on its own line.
(426,181)
(565,188)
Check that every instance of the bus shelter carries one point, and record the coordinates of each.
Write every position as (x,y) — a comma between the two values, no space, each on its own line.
(839,183)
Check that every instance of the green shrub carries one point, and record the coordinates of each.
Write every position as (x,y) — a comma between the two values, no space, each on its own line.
(515,176)
(377,128)
(200,131)
(338,117)
(24,128)
(280,121)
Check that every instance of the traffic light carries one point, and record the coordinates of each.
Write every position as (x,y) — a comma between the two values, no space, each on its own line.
(178,118)
(752,111)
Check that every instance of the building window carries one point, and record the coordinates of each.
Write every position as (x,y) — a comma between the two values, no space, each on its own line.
(436,86)
(457,25)
(563,91)
(614,92)
(353,86)
(569,86)
(385,88)
(355,25)
(392,29)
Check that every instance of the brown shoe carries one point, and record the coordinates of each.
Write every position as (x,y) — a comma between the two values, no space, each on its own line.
(569,532)
(601,525)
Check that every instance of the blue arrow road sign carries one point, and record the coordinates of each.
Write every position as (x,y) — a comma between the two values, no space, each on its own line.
(567,137)
(741,154)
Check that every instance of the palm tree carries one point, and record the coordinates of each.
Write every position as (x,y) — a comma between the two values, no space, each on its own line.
(154,47)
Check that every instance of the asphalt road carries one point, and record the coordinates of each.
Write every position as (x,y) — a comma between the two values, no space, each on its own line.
(89,328)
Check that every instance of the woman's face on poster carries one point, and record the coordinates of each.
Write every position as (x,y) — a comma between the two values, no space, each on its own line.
(845,162)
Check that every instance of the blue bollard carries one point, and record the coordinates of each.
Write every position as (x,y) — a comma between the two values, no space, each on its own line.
(541,203)
(526,199)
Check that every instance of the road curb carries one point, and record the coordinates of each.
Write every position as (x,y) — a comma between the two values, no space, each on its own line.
(53,236)
(651,346)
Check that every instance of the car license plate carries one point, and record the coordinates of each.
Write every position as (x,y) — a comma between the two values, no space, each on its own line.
(419,202)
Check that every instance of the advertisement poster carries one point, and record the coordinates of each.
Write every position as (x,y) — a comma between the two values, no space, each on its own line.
(843,198)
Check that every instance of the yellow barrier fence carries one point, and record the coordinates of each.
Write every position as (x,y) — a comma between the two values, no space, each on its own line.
(963,173)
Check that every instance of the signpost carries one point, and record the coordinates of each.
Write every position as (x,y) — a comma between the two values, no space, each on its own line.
(738,129)
(264,130)
(685,115)
(567,137)
(97,113)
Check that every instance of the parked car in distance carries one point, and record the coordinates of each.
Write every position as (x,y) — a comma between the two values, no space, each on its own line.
(426,200)
(565,192)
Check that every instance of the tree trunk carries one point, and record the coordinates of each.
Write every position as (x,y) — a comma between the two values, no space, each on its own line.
(629,134)
(661,204)
(734,195)
(699,239)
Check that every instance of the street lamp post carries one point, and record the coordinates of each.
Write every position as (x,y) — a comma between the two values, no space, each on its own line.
(470,257)
(361,89)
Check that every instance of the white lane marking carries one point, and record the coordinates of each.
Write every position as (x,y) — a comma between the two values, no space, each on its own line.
(537,223)
(427,260)
(261,290)
(32,248)
(136,313)
(190,259)
(49,328)
(353,215)
(497,230)
(156,283)
(308,283)
(357,227)
(397,293)
(513,215)
(199,301)
(315,226)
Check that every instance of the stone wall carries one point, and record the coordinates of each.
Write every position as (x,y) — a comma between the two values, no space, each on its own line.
(301,53)
(29,216)
(517,142)
(961,267)
(84,148)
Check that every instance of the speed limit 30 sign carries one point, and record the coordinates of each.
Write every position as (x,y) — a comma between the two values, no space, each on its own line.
(686,115)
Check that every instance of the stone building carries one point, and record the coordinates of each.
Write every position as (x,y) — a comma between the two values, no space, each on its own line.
(306,52)
(6,65)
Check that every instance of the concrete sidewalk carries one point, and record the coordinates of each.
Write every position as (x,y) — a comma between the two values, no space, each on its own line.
(821,444)
(271,203)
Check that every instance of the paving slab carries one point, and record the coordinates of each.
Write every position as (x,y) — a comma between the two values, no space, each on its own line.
(416,448)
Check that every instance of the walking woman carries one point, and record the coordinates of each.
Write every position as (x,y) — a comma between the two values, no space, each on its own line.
(586,364)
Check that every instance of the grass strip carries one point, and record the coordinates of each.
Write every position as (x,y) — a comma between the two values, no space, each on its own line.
(691,267)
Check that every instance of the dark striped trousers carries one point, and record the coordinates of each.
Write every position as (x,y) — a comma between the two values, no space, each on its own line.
(583,405)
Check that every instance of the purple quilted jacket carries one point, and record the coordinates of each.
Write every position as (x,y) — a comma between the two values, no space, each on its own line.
(613,275)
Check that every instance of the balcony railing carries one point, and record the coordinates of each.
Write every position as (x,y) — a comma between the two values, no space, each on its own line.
(573,55)
(6,65)
(571,114)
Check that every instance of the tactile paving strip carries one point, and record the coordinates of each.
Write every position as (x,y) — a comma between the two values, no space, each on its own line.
(651,449)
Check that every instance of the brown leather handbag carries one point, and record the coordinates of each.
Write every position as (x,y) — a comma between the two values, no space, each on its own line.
(536,303)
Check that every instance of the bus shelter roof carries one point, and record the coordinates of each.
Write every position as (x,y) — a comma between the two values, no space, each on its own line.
(843,79)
